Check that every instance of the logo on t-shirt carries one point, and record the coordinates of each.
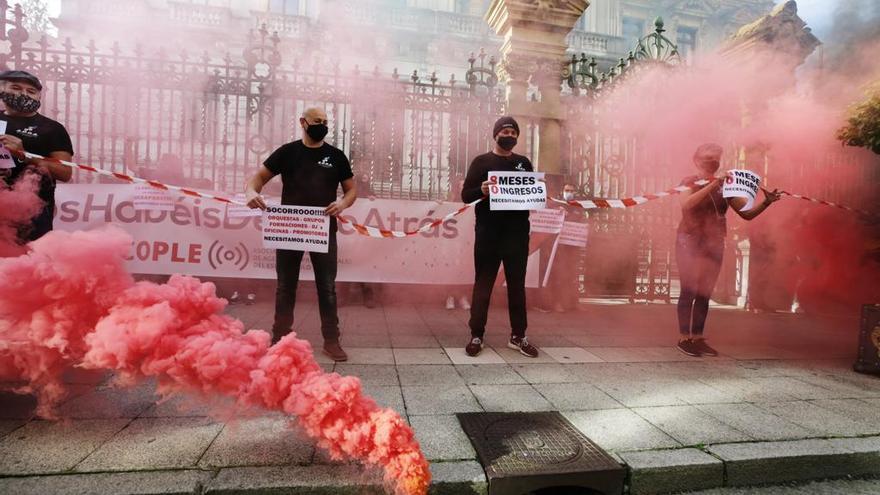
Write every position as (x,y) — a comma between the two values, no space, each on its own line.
(519,166)
(30,131)
(325,162)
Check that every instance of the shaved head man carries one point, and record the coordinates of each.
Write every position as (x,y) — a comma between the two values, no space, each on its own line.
(311,171)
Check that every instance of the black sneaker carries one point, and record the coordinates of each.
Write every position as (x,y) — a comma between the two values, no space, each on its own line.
(687,346)
(474,347)
(522,345)
(703,348)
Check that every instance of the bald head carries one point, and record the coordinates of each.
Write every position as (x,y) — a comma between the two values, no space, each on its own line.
(314,124)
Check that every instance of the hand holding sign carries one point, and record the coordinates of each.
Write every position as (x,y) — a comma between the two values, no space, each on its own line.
(6,161)
(742,184)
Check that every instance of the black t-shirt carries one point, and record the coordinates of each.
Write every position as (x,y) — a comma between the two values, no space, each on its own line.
(706,219)
(309,176)
(42,136)
(501,222)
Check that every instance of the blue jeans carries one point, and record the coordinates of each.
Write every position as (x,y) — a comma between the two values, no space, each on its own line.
(699,263)
(287,265)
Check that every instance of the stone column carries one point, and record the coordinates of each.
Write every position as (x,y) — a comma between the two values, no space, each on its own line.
(533,50)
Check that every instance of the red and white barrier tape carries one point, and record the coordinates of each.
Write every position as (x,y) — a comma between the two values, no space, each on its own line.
(829,203)
(133,179)
(360,229)
(590,204)
(382,233)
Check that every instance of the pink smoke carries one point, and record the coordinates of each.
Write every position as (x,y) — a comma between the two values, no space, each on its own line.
(778,126)
(18,205)
(70,302)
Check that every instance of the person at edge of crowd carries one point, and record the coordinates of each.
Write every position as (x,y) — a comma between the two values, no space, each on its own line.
(700,245)
(311,171)
(456,293)
(29,131)
(564,274)
(500,237)
(367,290)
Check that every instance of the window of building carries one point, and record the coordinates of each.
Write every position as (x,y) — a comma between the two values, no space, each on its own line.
(687,42)
(633,29)
(443,5)
(286,7)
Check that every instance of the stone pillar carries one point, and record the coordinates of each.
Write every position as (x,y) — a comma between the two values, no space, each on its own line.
(533,49)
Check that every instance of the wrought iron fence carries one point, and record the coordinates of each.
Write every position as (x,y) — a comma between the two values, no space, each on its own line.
(413,134)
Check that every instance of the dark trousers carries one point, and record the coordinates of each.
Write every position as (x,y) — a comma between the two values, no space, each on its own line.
(287,265)
(699,263)
(489,253)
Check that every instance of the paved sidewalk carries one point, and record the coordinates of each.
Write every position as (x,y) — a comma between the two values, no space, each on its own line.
(780,404)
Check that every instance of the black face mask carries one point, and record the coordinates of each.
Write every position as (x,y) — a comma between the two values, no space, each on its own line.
(317,131)
(19,103)
(507,142)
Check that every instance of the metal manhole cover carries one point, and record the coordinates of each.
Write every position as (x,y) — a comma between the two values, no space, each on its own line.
(524,452)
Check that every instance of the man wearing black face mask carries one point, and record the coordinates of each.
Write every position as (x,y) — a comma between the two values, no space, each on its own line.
(311,170)
(27,130)
(500,237)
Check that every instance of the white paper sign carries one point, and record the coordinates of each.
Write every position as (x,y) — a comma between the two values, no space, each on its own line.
(574,234)
(547,221)
(147,197)
(517,191)
(237,211)
(742,184)
(6,161)
(297,228)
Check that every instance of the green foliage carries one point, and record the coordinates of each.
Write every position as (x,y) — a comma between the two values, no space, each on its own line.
(863,124)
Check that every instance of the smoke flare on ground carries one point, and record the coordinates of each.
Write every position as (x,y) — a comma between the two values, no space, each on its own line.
(71,302)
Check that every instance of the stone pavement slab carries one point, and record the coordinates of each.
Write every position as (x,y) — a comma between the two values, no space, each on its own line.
(754,421)
(429,375)
(689,425)
(745,390)
(795,387)
(365,355)
(576,396)
(458,478)
(860,411)
(180,482)
(10,425)
(370,374)
(510,398)
(154,443)
(620,430)
(489,374)
(111,402)
(387,397)
(670,471)
(641,393)
(458,356)
(317,479)
(431,355)
(263,441)
(444,400)
(546,373)
(568,355)
(777,462)
(821,421)
(442,438)
(54,446)
(514,357)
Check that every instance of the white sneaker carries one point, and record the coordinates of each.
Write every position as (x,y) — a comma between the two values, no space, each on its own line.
(450,302)
(251,299)
(464,304)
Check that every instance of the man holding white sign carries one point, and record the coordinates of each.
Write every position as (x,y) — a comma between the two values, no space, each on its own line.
(311,170)
(23,129)
(700,240)
(501,236)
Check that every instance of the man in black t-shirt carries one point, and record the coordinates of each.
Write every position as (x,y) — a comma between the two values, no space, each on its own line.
(311,170)
(23,129)
(499,237)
